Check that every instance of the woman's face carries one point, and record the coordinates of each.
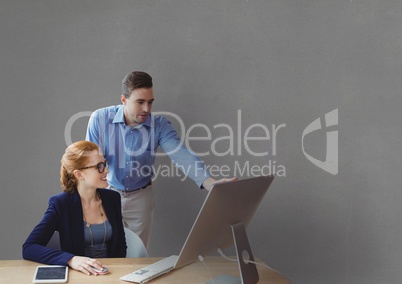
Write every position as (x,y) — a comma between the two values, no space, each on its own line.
(95,172)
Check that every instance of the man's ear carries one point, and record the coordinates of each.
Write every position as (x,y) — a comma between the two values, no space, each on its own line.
(123,99)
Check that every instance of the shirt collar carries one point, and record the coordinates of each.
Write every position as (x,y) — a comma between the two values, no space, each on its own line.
(119,117)
(148,121)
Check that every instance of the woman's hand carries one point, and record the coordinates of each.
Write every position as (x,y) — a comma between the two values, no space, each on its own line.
(85,264)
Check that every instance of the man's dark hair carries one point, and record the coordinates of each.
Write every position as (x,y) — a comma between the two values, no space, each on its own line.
(135,80)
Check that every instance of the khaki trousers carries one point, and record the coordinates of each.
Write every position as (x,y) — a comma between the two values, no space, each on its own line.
(138,210)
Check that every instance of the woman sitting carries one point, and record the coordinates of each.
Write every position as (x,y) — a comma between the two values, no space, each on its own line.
(86,215)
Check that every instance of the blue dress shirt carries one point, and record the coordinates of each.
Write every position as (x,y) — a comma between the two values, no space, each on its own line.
(131,152)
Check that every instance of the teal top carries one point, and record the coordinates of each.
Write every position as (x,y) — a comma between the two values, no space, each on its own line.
(95,241)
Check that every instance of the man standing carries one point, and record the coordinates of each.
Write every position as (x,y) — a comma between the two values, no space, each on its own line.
(129,135)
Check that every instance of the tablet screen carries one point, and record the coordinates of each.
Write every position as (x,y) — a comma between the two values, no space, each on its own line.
(51,274)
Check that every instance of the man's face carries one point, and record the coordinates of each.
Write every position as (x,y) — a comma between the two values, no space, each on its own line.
(138,106)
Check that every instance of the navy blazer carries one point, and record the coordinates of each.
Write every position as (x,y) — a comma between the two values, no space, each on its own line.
(64,214)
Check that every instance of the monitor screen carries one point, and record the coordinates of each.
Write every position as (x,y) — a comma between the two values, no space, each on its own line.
(226,204)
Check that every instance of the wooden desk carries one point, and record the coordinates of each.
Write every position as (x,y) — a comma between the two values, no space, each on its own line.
(22,271)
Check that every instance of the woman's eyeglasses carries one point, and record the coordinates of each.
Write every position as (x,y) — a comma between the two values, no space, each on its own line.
(100,167)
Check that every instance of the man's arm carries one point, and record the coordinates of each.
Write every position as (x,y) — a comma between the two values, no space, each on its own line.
(94,130)
(190,164)
(92,133)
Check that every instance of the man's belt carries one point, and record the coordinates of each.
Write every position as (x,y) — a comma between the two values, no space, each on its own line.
(131,190)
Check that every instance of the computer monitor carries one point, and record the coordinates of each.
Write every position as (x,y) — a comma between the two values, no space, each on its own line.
(222,222)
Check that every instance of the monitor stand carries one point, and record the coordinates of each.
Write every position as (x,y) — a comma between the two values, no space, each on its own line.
(248,270)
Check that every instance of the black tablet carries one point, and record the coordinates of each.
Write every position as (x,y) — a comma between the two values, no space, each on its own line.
(51,274)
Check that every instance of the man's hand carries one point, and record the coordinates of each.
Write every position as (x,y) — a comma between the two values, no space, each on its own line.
(209,182)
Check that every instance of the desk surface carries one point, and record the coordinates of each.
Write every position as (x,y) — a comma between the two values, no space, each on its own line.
(22,271)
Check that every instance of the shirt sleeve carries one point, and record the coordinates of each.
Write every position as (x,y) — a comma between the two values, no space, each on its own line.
(93,130)
(189,163)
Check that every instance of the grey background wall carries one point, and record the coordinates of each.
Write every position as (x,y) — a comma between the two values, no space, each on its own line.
(270,62)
